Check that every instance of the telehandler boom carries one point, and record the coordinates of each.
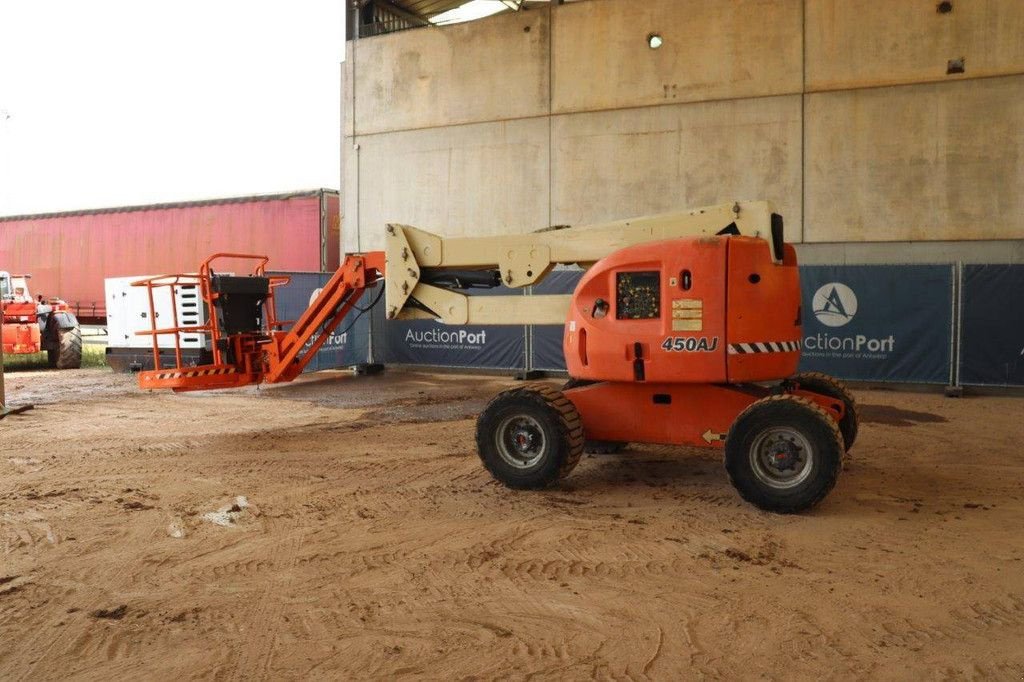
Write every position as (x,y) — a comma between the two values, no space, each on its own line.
(685,329)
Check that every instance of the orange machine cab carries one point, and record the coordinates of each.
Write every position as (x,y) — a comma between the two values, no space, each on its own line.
(697,310)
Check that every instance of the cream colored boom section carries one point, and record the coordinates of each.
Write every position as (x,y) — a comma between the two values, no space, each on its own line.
(525,259)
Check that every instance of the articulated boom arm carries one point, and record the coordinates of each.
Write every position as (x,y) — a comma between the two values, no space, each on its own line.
(289,353)
(423,274)
(423,269)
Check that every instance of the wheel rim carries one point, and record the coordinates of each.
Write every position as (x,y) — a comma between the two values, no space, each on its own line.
(520,441)
(781,457)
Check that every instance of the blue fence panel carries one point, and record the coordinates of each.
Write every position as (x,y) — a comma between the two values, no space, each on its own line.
(992,325)
(431,343)
(878,322)
(546,340)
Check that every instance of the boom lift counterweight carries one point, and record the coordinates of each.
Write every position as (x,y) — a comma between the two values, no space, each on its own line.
(685,329)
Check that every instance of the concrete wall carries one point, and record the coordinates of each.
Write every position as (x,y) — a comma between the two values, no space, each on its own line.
(842,113)
(625,163)
(491,70)
(483,178)
(868,43)
(916,162)
(712,51)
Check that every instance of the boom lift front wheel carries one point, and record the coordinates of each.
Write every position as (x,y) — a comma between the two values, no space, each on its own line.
(784,453)
(530,437)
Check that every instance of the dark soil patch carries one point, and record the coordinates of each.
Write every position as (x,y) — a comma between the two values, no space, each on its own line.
(894,416)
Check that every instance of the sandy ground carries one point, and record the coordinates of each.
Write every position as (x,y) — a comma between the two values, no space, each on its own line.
(342,527)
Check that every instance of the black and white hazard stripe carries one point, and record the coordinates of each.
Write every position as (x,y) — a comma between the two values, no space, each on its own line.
(764,347)
(196,373)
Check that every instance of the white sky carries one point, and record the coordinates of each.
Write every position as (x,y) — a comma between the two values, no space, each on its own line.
(113,102)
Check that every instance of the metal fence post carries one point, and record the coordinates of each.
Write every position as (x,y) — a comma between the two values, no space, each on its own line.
(954,389)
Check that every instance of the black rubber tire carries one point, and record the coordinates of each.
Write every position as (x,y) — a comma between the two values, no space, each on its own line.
(802,416)
(562,431)
(819,382)
(68,354)
(595,447)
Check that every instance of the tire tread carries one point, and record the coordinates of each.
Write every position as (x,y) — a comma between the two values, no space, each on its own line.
(69,356)
(569,421)
(823,416)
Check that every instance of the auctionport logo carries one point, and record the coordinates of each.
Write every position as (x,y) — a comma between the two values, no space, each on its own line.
(834,304)
(440,338)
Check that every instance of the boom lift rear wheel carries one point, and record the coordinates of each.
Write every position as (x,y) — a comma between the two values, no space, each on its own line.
(819,382)
(530,437)
(784,453)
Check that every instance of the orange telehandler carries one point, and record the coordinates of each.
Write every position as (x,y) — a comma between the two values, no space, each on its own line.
(35,325)
(685,329)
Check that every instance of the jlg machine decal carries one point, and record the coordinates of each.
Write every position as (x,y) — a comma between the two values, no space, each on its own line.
(690,344)
(687,315)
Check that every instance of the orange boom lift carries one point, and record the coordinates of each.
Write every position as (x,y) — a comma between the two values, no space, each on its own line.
(685,330)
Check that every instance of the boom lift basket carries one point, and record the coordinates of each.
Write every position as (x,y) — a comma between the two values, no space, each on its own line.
(243,315)
(246,343)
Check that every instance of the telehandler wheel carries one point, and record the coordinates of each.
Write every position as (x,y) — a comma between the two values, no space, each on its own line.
(784,453)
(68,354)
(529,437)
(595,447)
(822,383)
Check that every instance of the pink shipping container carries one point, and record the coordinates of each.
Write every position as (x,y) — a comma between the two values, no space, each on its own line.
(70,254)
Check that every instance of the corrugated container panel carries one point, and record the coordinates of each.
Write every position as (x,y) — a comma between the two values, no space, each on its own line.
(70,254)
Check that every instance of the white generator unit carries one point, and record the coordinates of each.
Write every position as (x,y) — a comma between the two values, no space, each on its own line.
(128,312)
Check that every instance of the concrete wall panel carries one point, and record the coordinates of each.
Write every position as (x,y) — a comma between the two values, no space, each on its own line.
(918,162)
(489,70)
(456,132)
(478,179)
(712,50)
(347,101)
(621,164)
(887,42)
(351,233)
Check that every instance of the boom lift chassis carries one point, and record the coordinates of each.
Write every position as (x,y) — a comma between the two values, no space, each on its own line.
(685,329)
